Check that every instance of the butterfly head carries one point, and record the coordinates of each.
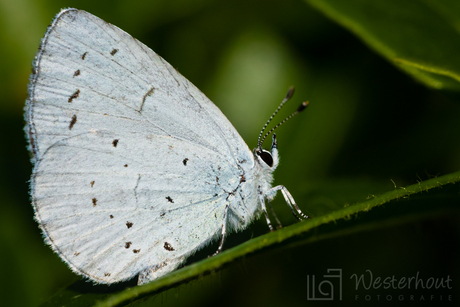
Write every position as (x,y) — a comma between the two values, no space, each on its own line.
(268,159)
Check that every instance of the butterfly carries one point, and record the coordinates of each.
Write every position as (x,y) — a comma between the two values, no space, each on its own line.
(135,169)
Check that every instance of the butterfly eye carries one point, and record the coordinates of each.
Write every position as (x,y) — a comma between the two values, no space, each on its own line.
(266,157)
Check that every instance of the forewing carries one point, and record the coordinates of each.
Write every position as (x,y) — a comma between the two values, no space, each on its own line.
(133,164)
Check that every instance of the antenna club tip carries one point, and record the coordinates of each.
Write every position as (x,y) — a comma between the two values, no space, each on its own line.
(303,106)
(290,93)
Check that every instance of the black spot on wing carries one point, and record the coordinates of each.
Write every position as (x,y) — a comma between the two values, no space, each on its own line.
(127,244)
(169,199)
(76,73)
(185,161)
(72,121)
(113,51)
(115,143)
(74,95)
(129,224)
(168,247)
(92,183)
(94,200)
(83,56)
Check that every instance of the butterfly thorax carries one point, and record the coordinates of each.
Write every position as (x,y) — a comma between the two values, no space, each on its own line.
(267,162)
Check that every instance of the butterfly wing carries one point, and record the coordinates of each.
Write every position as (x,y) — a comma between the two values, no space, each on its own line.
(133,164)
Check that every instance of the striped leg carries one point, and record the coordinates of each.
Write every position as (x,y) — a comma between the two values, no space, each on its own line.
(224,226)
(290,201)
(264,209)
(274,214)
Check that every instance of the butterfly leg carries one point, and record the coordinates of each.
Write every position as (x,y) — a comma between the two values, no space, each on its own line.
(264,209)
(274,214)
(224,226)
(290,201)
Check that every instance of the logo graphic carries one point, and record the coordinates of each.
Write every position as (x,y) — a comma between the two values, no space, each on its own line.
(329,289)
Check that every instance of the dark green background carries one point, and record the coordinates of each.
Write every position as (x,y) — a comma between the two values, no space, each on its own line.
(368,125)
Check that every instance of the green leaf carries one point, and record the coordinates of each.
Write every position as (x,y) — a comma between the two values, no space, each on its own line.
(419,36)
(85,294)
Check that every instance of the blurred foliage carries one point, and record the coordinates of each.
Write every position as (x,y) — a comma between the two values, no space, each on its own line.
(419,36)
(370,128)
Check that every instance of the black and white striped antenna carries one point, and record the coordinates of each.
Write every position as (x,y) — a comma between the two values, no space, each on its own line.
(299,109)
